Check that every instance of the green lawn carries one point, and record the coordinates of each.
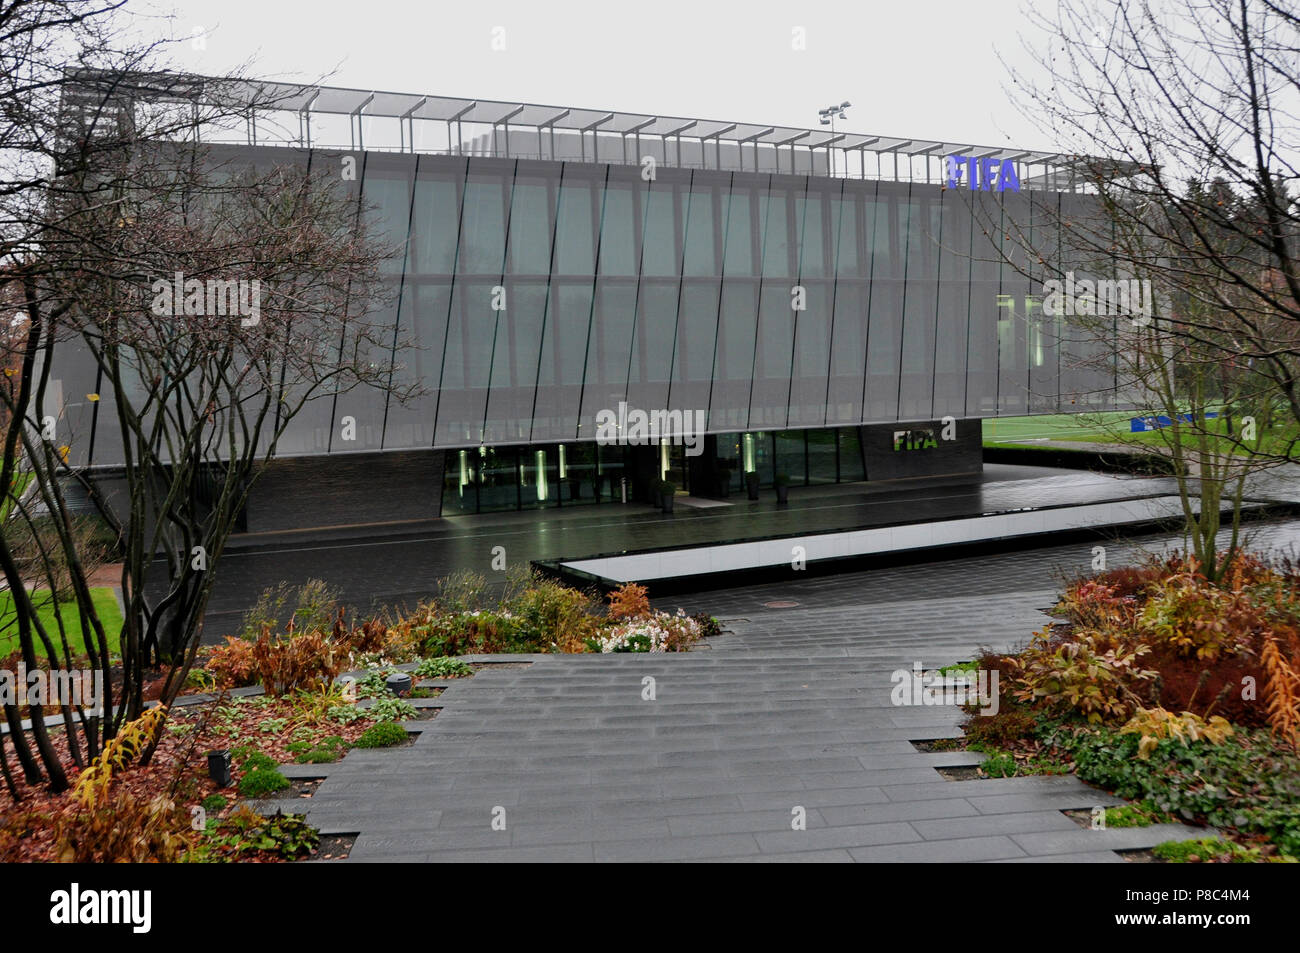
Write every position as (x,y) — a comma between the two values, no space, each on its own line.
(1276,439)
(1113,427)
(999,431)
(105,607)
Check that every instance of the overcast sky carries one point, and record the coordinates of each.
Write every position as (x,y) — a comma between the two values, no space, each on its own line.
(923,70)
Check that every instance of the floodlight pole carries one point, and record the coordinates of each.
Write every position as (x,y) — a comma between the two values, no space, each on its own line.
(827,118)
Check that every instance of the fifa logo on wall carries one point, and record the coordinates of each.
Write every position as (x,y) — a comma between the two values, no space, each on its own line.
(982,174)
(924,438)
(915,439)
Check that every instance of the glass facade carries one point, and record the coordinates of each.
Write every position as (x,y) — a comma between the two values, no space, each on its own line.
(495,478)
(531,295)
(492,479)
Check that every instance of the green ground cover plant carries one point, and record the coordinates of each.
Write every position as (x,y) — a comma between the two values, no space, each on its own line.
(1168,690)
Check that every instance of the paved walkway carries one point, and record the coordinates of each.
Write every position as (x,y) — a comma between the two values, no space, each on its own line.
(790,710)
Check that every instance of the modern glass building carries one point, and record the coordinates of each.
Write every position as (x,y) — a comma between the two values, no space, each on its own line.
(809,295)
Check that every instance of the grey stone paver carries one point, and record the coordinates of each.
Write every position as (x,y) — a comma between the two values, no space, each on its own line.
(736,741)
(790,709)
(948,828)
(1082,839)
(961,849)
(1087,857)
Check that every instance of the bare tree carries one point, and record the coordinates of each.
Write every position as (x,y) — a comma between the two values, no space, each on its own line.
(1176,122)
(1193,107)
(209,300)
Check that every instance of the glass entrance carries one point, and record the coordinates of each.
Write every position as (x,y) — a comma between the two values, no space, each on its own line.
(673,466)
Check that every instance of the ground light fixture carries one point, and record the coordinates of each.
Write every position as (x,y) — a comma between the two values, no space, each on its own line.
(399,683)
(219,767)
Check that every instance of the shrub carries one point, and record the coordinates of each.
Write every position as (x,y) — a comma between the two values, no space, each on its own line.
(629,601)
(202,679)
(261,782)
(709,626)
(345,714)
(314,606)
(391,709)
(1134,580)
(383,734)
(404,637)
(1092,604)
(232,664)
(314,706)
(1197,620)
(999,766)
(1205,850)
(299,660)
(255,760)
(541,615)
(681,630)
(122,828)
(1142,814)
(658,632)
(1152,725)
(1088,674)
(291,834)
(442,668)
(475,631)
(370,636)
(1005,765)
(245,831)
(640,635)
(462,591)
(214,802)
(35,546)
(323,753)
(548,615)
(119,753)
(1012,723)
(1252,784)
(1282,671)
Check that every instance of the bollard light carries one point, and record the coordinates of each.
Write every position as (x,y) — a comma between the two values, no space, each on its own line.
(219,767)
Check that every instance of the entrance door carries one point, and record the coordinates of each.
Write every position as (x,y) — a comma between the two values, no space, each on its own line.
(673,458)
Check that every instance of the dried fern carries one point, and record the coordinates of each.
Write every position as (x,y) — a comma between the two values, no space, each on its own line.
(127,746)
(629,601)
(1283,692)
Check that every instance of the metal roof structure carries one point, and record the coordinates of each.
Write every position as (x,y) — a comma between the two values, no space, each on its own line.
(594,127)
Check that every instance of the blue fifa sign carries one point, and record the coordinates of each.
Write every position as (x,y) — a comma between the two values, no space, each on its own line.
(982,174)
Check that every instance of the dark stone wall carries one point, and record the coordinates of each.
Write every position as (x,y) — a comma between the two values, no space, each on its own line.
(346,489)
(915,457)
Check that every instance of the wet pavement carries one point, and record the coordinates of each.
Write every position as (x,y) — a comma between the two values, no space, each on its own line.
(777,741)
(401,565)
